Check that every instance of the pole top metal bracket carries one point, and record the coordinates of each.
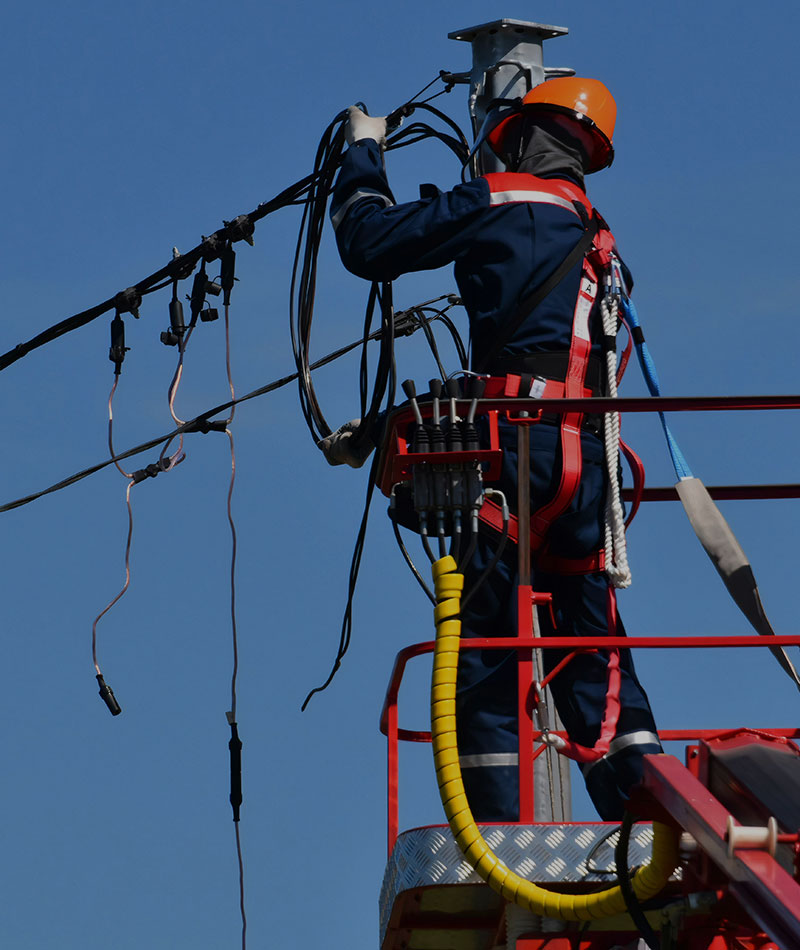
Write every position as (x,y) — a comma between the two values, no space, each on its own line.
(522,27)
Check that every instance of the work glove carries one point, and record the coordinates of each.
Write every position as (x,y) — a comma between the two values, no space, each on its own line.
(338,447)
(362,126)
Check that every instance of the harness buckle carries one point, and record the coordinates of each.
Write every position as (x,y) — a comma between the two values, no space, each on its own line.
(525,418)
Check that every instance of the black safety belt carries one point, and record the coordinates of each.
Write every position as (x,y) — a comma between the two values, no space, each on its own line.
(536,296)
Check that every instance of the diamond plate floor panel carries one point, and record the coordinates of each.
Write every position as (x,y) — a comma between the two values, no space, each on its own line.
(544,854)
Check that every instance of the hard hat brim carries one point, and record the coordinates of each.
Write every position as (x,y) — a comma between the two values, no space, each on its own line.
(602,151)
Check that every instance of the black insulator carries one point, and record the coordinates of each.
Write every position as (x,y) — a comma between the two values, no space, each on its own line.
(241,229)
(117,350)
(209,314)
(213,288)
(176,316)
(235,746)
(168,338)
(198,297)
(108,697)
(227,272)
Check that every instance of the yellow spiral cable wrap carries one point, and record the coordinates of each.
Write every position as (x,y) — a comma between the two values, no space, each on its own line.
(648,881)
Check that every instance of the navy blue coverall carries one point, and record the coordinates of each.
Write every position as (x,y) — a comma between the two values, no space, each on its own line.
(503,245)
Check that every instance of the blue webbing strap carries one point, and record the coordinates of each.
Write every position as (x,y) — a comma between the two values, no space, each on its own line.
(682,470)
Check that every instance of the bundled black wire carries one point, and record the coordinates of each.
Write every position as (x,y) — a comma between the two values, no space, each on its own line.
(304,271)
(417,131)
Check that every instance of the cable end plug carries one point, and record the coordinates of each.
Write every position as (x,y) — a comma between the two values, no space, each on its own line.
(108,697)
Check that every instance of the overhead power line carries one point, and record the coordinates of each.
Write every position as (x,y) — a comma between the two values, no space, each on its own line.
(241,228)
(406,322)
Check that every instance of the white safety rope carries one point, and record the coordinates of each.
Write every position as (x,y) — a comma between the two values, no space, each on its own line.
(616,550)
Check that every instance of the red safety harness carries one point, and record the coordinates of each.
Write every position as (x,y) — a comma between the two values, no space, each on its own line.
(505,188)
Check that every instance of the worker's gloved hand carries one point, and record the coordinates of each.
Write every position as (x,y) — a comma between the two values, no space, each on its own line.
(338,447)
(362,126)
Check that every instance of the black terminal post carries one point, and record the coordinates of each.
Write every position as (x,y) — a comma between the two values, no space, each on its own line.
(235,747)
(117,350)
(108,697)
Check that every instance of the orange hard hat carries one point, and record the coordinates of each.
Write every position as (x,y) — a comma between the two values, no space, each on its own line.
(586,102)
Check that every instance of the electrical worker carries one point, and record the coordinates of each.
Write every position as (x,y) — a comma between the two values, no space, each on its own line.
(508,235)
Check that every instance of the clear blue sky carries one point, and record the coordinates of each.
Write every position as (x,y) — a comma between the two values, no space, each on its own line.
(130,129)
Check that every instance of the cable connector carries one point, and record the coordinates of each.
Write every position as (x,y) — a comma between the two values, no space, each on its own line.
(451,79)
(205,426)
(128,301)
(117,350)
(108,697)
(212,246)
(181,266)
(149,471)
(227,272)
(235,747)
(241,229)
(177,327)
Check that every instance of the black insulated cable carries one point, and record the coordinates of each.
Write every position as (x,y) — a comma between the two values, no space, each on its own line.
(202,422)
(304,271)
(308,190)
(129,300)
(412,566)
(498,552)
(355,564)
(623,875)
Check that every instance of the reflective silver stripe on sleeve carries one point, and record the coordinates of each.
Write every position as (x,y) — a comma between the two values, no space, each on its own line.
(538,197)
(487,759)
(356,196)
(642,737)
